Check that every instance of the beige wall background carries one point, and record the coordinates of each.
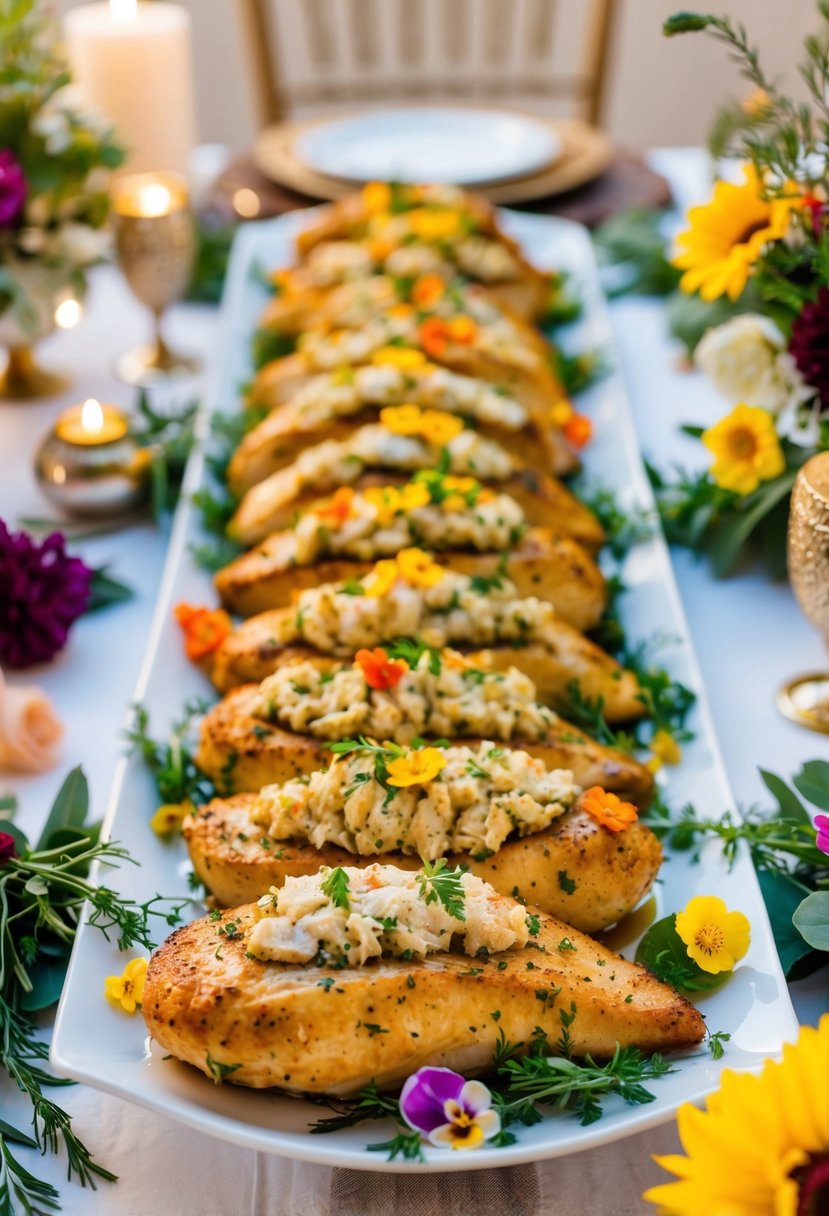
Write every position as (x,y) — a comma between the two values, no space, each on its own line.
(661,92)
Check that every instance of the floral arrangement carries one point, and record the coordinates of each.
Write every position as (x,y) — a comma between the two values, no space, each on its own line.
(43,591)
(756,257)
(54,165)
(776,1126)
(43,888)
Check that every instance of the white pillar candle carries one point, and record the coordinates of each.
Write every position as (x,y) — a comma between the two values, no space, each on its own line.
(132,62)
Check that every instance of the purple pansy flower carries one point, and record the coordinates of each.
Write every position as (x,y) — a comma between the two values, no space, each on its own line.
(13,187)
(8,847)
(42,591)
(449,1110)
(822,829)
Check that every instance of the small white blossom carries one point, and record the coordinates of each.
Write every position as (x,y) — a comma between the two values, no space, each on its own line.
(55,129)
(83,245)
(747,361)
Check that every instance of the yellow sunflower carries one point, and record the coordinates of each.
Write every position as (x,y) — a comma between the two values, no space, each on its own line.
(771,1129)
(727,235)
(746,449)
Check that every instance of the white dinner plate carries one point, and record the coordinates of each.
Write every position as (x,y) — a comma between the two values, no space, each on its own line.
(98,1045)
(467,147)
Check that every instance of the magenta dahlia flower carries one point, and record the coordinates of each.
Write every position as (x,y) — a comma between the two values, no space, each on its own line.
(42,591)
(809,343)
(822,829)
(13,187)
(447,1109)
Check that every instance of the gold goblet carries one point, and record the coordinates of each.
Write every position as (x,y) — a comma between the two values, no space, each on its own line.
(155,242)
(805,699)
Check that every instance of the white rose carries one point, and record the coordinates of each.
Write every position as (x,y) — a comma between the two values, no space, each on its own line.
(742,360)
(30,730)
(82,244)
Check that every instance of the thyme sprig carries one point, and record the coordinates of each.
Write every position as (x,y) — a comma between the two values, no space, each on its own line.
(43,890)
(171,761)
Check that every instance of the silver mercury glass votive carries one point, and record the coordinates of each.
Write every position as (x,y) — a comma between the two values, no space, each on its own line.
(90,465)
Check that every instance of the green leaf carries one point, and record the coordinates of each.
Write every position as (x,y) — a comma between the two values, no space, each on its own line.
(811,919)
(730,534)
(47,974)
(107,591)
(790,805)
(685,23)
(783,896)
(70,808)
(665,954)
(813,783)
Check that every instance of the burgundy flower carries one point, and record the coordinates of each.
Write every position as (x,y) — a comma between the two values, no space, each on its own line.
(8,848)
(809,344)
(822,829)
(42,591)
(13,187)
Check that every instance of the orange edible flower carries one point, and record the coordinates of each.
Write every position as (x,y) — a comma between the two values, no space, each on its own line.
(427,290)
(339,506)
(578,431)
(433,335)
(380,248)
(204,629)
(608,809)
(379,670)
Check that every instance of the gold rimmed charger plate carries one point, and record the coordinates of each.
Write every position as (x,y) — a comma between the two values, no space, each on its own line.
(585,153)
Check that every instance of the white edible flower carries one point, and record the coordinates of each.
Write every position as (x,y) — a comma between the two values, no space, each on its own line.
(743,360)
(82,244)
(54,127)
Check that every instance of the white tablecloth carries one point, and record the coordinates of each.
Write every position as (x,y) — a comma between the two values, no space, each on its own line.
(749,636)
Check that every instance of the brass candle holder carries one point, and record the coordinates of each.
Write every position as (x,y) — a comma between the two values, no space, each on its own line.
(90,465)
(155,243)
(805,699)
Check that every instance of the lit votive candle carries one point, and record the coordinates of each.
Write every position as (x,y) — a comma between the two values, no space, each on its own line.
(90,465)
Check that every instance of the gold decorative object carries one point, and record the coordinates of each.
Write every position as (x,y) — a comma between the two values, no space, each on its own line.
(805,699)
(90,465)
(155,243)
(23,379)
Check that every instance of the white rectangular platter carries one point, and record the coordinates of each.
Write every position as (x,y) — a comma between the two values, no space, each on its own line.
(95,1044)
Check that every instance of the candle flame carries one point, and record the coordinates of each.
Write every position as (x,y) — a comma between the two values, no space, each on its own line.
(123,11)
(92,416)
(154,200)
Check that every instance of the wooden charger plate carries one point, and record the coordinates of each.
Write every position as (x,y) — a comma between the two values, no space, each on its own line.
(586,152)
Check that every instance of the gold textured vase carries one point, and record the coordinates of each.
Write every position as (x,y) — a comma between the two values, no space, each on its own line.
(805,700)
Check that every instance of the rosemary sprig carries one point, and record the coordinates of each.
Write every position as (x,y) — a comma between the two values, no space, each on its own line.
(43,890)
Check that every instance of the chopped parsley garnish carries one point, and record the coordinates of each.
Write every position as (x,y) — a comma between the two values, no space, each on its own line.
(336,886)
(567,884)
(440,884)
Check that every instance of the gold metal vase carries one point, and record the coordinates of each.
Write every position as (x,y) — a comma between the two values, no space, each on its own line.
(805,699)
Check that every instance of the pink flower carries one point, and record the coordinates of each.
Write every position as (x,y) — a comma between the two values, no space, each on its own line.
(13,187)
(30,730)
(8,847)
(449,1110)
(822,829)
(42,591)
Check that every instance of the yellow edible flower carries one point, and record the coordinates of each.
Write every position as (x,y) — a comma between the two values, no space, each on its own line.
(716,939)
(746,449)
(402,419)
(376,197)
(404,358)
(664,750)
(127,990)
(417,568)
(561,412)
(170,816)
(438,427)
(762,1143)
(433,224)
(389,501)
(381,580)
(417,768)
(726,236)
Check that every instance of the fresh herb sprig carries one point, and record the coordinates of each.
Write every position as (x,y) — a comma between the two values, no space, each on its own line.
(171,761)
(439,884)
(43,890)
